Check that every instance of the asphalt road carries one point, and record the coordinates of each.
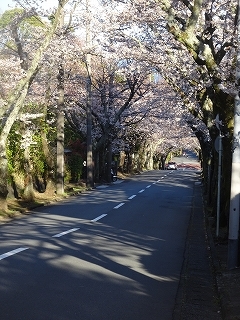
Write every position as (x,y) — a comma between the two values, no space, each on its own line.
(112,253)
(187,162)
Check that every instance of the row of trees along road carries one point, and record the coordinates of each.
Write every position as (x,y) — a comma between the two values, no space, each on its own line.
(148,73)
(46,68)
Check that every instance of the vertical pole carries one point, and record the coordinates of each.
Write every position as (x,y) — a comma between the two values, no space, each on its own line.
(219,182)
(90,182)
(235,178)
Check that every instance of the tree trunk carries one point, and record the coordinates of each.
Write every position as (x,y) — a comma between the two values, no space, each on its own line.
(3,176)
(109,162)
(49,172)
(3,142)
(60,153)
(90,182)
(28,192)
(60,133)
(96,166)
(49,178)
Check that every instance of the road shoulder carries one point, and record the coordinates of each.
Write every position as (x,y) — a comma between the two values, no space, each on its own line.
(198,296)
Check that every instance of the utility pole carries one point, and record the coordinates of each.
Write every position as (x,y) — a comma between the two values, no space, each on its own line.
(90,182)
(233,235)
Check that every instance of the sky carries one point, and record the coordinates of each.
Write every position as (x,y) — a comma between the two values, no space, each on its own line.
(7,4)
(4,5)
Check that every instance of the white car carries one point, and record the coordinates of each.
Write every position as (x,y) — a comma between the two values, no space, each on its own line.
(172,166)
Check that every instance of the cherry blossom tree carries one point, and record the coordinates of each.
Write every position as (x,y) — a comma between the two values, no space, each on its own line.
(164,129)
(15,99)
(193,45)
(127,91)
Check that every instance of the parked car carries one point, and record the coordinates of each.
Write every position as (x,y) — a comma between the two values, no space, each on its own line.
(171,165)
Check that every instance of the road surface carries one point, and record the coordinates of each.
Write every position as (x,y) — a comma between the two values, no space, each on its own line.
(115,252)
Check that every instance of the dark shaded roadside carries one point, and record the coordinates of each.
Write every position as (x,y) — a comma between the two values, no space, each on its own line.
(228,281)
(198,296)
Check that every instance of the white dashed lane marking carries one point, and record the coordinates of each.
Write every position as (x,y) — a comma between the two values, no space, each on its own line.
(65,232)
(119,205)
(11,253)
(98,218)
(133,196)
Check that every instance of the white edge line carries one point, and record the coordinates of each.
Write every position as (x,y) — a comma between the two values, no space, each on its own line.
(65,232)
(11,253)
(98,218)
(133,196)
(119,205)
